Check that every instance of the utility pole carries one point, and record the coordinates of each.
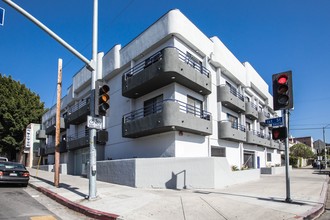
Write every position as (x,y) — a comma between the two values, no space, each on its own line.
(325,147)
(58,125)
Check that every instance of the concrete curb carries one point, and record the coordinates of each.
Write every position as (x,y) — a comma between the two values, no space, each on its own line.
(76,207)
(319,209)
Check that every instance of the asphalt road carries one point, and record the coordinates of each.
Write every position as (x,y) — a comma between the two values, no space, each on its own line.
(25,203)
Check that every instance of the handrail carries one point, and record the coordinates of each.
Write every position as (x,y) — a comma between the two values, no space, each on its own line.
(159,56)
(78,135)
(235,92)
(79,105)
(237,126)
(158,107)
(254,106)
(260,134)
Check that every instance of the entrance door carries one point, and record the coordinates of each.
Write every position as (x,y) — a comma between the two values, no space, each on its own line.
(258,162)
(81,159)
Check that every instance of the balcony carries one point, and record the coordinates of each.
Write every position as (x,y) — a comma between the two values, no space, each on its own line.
(230,98)
(255,137)
(251,111)
(50,126)
(50,148)
(262,117)
(41,134)
(274,144)
(78,140)
(81,139)
(77,113)
(163,68)
(164,116)
(231,131)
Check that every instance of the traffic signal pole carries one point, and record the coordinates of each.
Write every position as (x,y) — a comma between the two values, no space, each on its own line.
(91,65)
(283,100)
(92,131)
(285,113)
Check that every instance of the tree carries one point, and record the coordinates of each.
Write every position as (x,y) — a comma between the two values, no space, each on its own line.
(19,107)
(301,150)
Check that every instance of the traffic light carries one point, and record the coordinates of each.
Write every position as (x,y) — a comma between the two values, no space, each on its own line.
(282,91)
(279,133)
(102,98)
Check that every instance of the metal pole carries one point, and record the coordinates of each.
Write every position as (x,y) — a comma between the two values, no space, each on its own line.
(285,113)
(325,147)
(92,131)
(58,126)
(89,64)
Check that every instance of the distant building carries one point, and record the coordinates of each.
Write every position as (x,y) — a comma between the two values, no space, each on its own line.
(32,145)
(183,112)
(319,146)
(304,140)
(308,141)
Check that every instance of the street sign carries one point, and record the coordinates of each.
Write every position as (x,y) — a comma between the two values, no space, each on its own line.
(94,122)
(275,121)
(2,16)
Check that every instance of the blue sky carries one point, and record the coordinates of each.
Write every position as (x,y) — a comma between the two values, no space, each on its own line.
(273,35)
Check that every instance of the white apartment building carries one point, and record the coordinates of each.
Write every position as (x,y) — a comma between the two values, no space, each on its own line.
(183,112)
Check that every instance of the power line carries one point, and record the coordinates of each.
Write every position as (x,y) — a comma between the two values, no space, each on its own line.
(306,128)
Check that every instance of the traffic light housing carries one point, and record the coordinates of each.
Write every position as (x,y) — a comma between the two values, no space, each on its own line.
(282,90)
(102,98)
(279,133)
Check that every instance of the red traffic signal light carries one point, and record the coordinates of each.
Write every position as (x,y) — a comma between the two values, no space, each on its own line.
(102,98)
(279,133)
(282,91)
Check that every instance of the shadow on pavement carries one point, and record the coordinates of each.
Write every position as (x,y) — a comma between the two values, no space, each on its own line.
(270,199)
(63,185)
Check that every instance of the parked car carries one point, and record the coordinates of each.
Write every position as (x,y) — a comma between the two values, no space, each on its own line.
(14,173)
(3,159)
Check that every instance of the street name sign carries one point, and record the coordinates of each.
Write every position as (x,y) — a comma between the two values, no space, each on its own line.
(275,121)
(2,16)
(94,122)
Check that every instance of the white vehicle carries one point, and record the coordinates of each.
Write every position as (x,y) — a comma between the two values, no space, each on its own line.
(3,159)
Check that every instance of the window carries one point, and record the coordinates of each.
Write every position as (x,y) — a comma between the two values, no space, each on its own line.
(233,120)
(194,106)
(269,157)
(248,126)
(262,132)
(233,90)
(218,151)
(249,159)
(153,105)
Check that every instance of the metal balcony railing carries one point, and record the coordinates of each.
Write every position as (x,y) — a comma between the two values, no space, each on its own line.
(267,114)
(260,134)
(236,93)
(78,135)
(159,55)
(237,126)
(254,106)
(158,107)
(78,106)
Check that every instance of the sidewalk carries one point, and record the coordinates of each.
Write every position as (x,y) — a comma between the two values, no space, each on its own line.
(262,199)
